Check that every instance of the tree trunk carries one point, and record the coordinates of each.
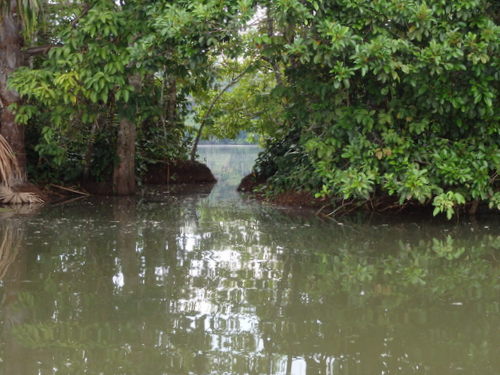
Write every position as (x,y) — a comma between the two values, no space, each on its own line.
(11,58)
(172,102)
(124,172)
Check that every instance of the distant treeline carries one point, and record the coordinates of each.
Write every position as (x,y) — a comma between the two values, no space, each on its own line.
(243,138)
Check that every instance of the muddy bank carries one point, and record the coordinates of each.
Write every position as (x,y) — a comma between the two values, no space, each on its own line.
(97,188)
(250,182)
(181,177)
(256,186)
(179,172)
(303,199)
(383,204)
(300,199)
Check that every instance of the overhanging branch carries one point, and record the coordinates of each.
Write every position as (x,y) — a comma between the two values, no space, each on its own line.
(40,50)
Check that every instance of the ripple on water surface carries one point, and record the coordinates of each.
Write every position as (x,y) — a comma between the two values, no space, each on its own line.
(210,283)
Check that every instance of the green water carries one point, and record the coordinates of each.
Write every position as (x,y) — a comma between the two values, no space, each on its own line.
(213,283)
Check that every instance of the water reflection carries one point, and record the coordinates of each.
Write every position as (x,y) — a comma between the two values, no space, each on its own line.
(185,285)
(14,313)
(229,164)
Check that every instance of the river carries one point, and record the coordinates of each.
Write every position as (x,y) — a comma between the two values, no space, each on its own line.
(213,283)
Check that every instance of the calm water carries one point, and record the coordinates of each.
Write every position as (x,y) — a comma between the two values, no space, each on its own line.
(202,283)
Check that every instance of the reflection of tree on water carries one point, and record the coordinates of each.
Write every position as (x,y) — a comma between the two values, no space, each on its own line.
(184,287)
(137,319)
(124,212)
(9,248)
(229,165)
(13,263)
(359,306)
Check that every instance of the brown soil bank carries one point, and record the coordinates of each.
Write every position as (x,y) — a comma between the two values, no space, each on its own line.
(179,172)
(298,199)
(98,188)
(162,173)
(303,199)
(383,204)
(189,176)
(250,182)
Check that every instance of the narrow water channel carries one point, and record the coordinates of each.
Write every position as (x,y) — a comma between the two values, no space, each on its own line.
(211,283)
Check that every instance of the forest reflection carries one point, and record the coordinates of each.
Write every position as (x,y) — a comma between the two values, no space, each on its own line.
(183,286)
(194,283)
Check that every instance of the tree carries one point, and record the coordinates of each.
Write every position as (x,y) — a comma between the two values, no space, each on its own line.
(240,100)
(213,100)
(121,71)
(388,102)
(18,21)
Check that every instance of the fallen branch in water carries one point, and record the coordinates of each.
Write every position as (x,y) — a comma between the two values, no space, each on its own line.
(66,201)
(71,190)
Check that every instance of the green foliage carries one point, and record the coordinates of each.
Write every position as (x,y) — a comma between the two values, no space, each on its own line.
(446,203)
(247,105)
(74,92)
(286,165)
(392,99)
(387,101)
(137,59)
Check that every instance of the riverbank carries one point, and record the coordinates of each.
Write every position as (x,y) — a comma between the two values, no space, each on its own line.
(185,175)
(177,267)
(328,206)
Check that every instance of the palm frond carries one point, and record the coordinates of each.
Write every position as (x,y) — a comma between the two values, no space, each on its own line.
(11,197)
(10,173)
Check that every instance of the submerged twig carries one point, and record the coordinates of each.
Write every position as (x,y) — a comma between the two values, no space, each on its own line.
(66,201)
(71,190)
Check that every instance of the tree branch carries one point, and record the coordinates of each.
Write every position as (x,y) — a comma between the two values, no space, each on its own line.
(40,50)
(85,11)
(211,107)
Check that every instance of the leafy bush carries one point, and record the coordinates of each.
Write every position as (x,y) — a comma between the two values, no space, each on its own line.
(393,99)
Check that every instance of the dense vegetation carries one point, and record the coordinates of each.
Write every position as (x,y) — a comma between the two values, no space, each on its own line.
(113,77)
(383,103)
(388,101)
